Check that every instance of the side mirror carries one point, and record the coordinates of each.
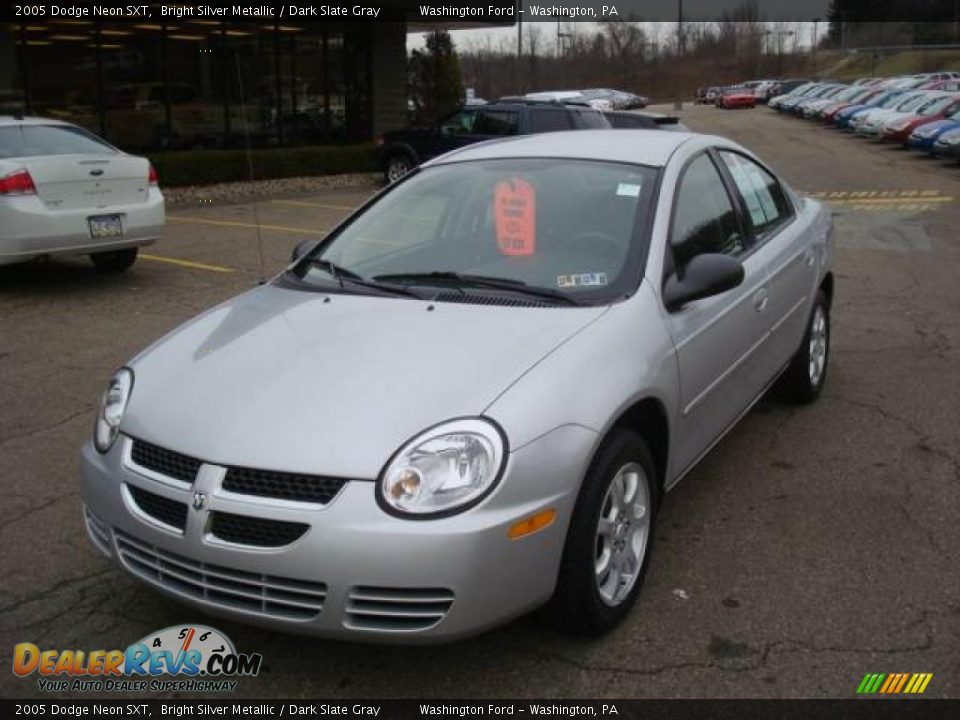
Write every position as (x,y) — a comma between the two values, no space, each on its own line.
(703,276)
(302,248)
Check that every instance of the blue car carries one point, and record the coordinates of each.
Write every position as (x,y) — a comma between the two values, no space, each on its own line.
(925,136)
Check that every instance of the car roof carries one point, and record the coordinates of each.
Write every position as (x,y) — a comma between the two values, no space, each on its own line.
(641,147)
(29,120)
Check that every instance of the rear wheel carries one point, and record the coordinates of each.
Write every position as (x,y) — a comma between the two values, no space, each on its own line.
(805,377)
(114,261)
(608,544)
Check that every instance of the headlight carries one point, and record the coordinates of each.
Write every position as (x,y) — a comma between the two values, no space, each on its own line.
(444,470)
(112,407)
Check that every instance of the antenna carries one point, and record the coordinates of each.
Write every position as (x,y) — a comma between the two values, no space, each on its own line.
(253,182)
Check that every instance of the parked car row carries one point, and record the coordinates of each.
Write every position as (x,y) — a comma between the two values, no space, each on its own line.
(918,111)
(603,99)
(747,94)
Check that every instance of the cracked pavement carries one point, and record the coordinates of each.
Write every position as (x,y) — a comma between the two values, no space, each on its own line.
(818,543)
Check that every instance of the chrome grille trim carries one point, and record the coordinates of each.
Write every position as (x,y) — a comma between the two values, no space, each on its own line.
(266,595)
(98,532)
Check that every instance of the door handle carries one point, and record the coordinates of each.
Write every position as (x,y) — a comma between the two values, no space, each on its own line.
(760,300)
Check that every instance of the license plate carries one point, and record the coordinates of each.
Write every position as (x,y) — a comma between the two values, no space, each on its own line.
(104,226)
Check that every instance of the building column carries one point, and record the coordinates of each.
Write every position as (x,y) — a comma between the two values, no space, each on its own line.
(389,76)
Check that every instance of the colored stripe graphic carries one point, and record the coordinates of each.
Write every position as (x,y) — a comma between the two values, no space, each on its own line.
(894,683)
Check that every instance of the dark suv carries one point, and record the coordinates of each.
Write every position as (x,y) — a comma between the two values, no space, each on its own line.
(399,151)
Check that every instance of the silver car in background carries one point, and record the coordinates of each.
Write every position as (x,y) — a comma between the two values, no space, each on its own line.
(469,398)
(64,191)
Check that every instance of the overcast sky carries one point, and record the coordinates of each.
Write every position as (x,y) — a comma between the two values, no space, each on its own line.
(465,39)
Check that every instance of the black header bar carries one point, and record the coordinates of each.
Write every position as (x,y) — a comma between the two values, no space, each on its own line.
(451,12)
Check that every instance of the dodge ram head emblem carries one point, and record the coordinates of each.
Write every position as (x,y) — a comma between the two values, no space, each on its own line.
(199,500)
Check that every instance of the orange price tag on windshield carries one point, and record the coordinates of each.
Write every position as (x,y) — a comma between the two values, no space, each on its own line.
(515,215)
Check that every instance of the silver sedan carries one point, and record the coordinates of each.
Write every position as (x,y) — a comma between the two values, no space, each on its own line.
(64,191)
(468,400)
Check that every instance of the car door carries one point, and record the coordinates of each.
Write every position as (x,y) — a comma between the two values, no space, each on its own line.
(785,243)
(719,339)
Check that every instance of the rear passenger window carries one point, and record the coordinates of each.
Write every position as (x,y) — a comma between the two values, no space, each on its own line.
(704,219)
(496,122)
(766,202)
(549,120)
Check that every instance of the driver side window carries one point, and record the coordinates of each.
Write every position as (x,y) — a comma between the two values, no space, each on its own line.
(460,123)
(704,218)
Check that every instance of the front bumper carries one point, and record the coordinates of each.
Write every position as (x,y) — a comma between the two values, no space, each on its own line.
(33,230)
(357,573)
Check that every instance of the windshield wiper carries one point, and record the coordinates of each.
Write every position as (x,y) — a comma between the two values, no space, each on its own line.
(481,281)
(340,274)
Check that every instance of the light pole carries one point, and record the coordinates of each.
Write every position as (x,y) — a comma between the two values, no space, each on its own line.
(813,47)
(678,104)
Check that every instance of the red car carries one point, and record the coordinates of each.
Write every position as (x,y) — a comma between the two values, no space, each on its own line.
(737,99)
(899,131)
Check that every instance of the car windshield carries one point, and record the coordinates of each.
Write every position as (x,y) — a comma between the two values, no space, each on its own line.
(913,103)
(935,106)
(36,140)
(565,226)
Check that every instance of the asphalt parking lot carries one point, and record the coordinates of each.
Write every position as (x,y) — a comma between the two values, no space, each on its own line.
(812,546)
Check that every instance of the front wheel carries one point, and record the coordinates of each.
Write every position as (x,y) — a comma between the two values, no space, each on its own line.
(397,166)
(804,379)
(114,261)
(608,544)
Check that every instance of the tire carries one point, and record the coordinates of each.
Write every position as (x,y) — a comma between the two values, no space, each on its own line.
(806,375)
(114,261)
(398,165)
(588,601)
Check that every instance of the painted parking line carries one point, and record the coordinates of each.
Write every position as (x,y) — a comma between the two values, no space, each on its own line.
(187,263)
(884,201)
(308,203)
(237,223)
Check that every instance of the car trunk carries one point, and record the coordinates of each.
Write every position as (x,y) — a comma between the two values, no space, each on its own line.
(69,182)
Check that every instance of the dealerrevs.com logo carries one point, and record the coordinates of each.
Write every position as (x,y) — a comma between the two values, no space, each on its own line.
(202,656)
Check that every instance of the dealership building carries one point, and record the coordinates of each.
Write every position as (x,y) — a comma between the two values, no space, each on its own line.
(186,83)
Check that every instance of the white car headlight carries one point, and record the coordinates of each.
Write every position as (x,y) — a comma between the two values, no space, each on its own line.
(444,470)
(112,407)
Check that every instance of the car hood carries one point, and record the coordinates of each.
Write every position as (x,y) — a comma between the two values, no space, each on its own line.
(937,126)
(304,382)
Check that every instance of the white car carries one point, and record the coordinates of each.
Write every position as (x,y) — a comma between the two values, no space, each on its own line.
(64,191)
(570,96)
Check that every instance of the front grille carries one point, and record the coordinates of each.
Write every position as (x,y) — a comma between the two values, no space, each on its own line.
(478,299)
(169,512)
(258,532)
(268,595)
(283,486)
(396,609)
(166,462)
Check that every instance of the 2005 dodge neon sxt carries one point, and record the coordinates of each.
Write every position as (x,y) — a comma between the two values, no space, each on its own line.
(468,399)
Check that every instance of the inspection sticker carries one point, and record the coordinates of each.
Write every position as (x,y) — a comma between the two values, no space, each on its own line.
(596,279)
(628,190)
